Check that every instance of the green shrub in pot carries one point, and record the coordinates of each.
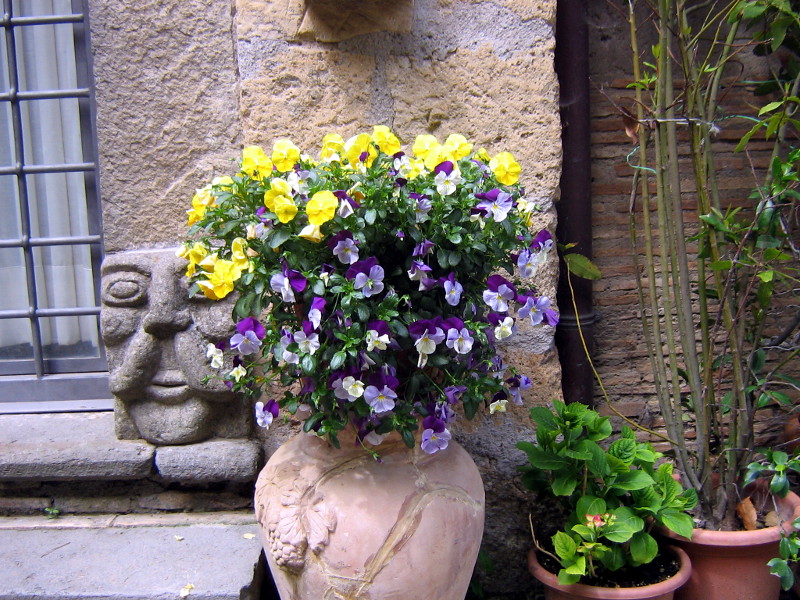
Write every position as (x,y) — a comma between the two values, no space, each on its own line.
(612,492)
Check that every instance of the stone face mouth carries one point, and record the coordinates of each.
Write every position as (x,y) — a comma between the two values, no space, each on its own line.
(169,378)
(168,387)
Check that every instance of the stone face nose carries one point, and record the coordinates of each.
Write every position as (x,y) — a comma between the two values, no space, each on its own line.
(167,312)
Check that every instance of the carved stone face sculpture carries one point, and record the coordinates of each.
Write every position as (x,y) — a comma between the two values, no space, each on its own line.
(156,339)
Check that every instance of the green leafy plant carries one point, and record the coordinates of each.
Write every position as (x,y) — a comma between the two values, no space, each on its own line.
(612,493)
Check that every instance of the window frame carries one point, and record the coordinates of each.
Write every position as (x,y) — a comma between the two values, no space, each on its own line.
(47,383)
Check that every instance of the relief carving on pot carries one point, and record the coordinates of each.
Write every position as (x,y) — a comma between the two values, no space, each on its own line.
(302,521)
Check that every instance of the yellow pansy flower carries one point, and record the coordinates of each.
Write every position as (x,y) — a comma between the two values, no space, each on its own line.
(239,254)
(358,145)
(311,233)
(483,155)
(461,147)
(255,162)
(284,209)
(322,207)
(225,182)
(207,264)
(284,155)
(423,145)
(277,187)
(385,139)
(505,168)
(202,200)
(332,147)
(439,154)
(220,281)
(194,254)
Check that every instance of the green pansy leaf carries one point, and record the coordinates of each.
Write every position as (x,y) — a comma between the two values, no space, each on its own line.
(337,360)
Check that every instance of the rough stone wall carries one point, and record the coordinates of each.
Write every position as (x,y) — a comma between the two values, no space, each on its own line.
(182,86)
(167,112)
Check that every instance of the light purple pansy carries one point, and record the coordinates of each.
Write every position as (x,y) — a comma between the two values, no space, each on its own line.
(495,203)
(266,413)
(380,399)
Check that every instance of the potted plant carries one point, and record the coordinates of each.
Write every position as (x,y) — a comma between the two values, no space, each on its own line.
(372,290)
(713,274)
(611,495)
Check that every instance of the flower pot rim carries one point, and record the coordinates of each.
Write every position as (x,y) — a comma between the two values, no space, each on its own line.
(767,535)
(589,591)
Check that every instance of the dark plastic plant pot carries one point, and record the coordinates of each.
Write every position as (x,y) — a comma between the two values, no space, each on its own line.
(664,590)
(732,565)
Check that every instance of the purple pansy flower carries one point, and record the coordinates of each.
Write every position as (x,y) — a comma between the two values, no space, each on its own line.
(422,208)
(539,311)
(453,393)
(445,167)
(516,384)
(460,340)
(247,343)
(423,248)
(266,413)
(367,276)
(287,283)
(380,399)
(452,290)
(315,312)
(346,251)
(418,271)
(495,203)
(542,241)
(433,441)
(500,292)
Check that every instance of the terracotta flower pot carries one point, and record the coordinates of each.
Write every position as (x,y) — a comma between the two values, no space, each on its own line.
(657,591)
(732,565)
(337,524)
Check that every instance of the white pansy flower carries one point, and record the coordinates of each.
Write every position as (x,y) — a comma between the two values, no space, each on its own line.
(216,356)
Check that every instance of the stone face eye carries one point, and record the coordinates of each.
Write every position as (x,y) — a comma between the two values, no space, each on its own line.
(125,288)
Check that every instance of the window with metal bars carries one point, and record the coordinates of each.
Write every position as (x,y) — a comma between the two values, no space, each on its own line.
(50,225)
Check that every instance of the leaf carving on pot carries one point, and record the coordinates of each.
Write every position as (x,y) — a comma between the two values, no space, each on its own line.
(303,521)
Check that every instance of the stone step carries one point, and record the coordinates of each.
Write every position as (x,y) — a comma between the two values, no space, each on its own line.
(208,556)
(73,462)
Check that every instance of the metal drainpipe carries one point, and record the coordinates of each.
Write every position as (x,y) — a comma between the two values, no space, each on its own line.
(575,206)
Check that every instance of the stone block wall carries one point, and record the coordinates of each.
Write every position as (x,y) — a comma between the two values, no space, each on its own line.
(183,85)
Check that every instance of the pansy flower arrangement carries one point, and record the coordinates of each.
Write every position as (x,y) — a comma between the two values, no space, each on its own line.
(370,281)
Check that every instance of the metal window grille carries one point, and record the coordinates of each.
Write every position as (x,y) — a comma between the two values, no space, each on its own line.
(40,368)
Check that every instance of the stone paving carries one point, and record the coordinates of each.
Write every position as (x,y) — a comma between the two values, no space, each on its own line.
(210,556)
